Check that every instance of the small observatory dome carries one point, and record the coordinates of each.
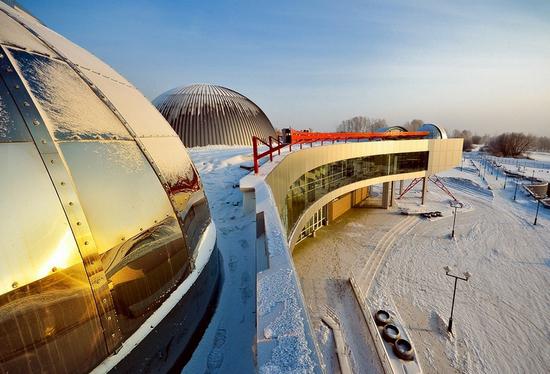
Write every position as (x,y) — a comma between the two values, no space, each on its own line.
(205,114)
(102,211)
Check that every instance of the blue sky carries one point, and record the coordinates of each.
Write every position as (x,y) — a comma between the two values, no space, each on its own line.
(480,65)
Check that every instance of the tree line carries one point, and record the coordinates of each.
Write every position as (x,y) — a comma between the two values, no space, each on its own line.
(513,144)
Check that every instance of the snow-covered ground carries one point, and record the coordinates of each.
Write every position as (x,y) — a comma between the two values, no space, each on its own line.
(501,319)
(540,156)
(226,346)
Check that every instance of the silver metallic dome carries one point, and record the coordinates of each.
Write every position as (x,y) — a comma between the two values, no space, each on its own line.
(205,114)
(102,211)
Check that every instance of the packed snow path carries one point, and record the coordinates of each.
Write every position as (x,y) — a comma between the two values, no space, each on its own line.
(227,343)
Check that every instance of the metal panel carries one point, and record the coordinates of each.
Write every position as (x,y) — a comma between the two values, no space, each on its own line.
(140,243)
(205,114)
(119,191)
(73,109)
(44,242)
(182,183)
(65,189)
(140,115)
(12,126)
(48,318)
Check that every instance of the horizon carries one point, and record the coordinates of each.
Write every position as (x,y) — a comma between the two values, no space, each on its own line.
(484,68)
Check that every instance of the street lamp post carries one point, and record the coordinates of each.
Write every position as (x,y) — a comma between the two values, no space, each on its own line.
(456,277)
(455,204)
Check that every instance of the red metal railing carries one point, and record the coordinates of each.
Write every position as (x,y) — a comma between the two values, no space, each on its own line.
(304,137)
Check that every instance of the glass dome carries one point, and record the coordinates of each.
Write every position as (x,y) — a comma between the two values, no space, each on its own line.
(102,209)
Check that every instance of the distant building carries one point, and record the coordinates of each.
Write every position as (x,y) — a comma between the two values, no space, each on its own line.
(205,114)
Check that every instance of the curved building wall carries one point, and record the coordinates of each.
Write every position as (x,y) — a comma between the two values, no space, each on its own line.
(368,161)
(102,210)
(204,114)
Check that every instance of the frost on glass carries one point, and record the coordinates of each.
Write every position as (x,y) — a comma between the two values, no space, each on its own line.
(140,114)
(12,33)
(76,54)
(74,110)
(12,127)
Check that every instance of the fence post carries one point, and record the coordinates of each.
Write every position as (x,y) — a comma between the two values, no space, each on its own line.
(270,149)
(255,153)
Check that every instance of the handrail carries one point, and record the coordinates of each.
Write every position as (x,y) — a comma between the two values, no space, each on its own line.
(305,137)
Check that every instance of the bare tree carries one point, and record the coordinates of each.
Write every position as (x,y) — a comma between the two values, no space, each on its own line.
(361,124)
(467,144)
(413,125)
(511,144)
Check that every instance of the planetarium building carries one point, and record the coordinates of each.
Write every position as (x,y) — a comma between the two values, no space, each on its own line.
(106,234)
(205,114)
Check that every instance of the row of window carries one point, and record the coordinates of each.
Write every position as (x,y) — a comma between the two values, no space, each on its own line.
(316,183)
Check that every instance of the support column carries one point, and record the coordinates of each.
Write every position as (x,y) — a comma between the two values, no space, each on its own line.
(424,189)
(401,187)
(392,194)
(385,195)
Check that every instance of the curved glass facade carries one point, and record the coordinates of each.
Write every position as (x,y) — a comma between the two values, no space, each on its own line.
(317,182)
(102,214)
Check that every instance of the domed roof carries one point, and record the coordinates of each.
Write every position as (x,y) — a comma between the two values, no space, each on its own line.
(206,114)
(102,209)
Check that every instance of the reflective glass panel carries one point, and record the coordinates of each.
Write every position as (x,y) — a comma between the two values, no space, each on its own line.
(132,221)
(48,319)
(73,109)
(317,182)
(141,115)
(183,185)
(12,127)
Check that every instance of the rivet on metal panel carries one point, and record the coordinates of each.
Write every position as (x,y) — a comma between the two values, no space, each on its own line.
(9,69)
(26,103)
(43,141)
(62,183)
(86,242)
(17,86)
(79,223)
(51,161)
(71,203)
(54,269)
(1,55)
(123,238)
(35,122)
(156,221)
(141,229)
(15,285)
